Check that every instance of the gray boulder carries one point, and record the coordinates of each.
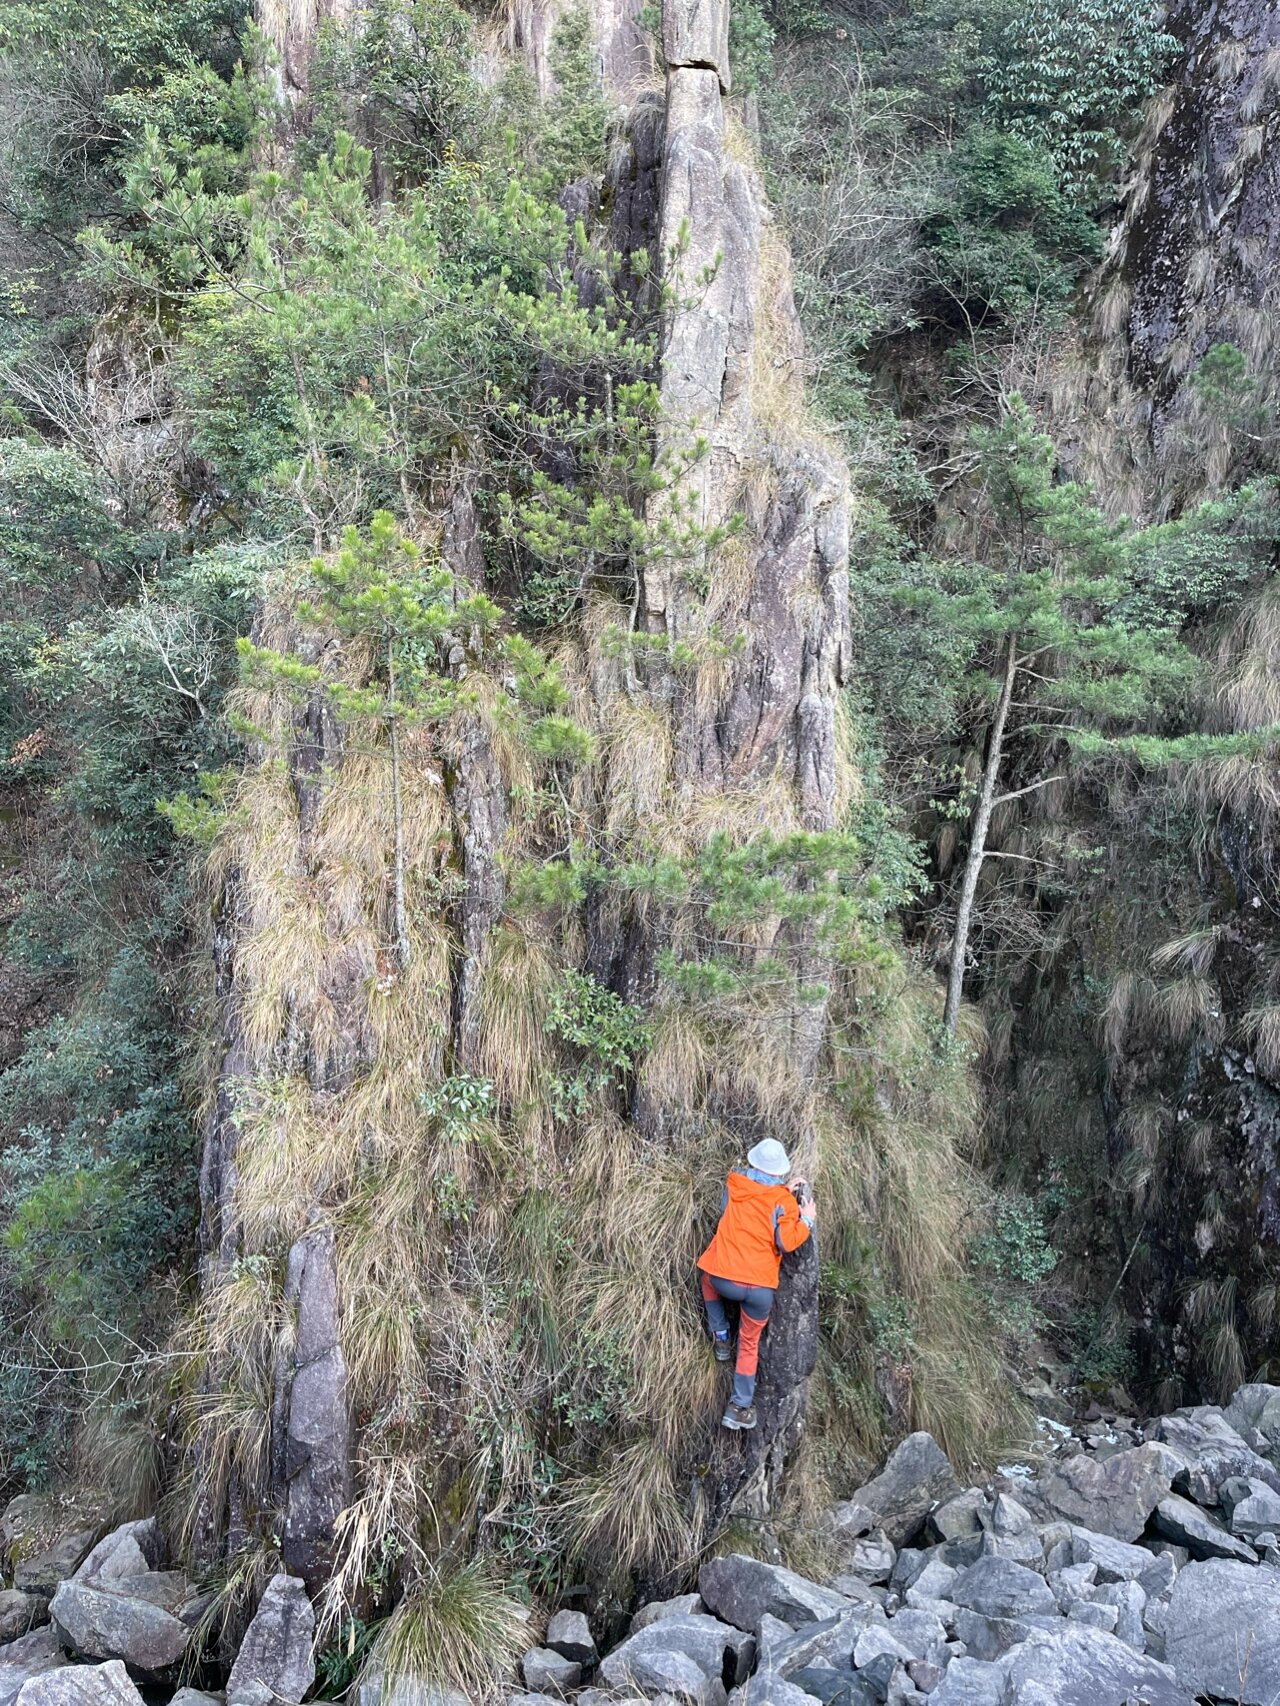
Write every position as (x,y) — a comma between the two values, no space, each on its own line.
(718,1649)
(98,1624)
(20,1613)
(1202,1535)
(1115,1496)
(871,1559)
(1257,1407)
(1069,1665)
(81,1685)
(130,1550)
(997,1587)
(741,1590)
(195,1697)
(827,1644)
(1096,1614)
(987,1637)
(1113,1560)
(42,1571)
(1072,1583)
(275,1661)
(1130,1603)
(768,1689)
(662,1672)
(28,1656)
(683,1605)
(837,1687)
(569,1634)
(548,1672)
(1252,1507)
(916,1477)
(959,1516)
(1222,1633)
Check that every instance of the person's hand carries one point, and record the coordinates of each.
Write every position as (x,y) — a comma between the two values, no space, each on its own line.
(802,1190)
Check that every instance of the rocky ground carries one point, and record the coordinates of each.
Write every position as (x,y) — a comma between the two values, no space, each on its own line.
(1127,1567)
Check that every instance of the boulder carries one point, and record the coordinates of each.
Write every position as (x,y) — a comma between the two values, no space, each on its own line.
(878,1643)
(1222,1632)
(98,1624)
(1130,1603)
(959,1516)
(741,1590)
(718,1650)
(1115,1497)
(28,1656)
(934,1580)
(997,1587)
(41,1572)
(130,1550)
(1073,1583)
(20,1613)
(1252,1508)
(1257,1407)
(1068,1665)
(1202,1535)
(916,1477)
(81,1685)
(683,1605)
(275,1661)
(871,1559)
(569,1634)
(1113,1560)
(662,1672)
(836,1687)
(827,1644)
(196,1697)
(550,1673)
(1096,1614)
(767,1689)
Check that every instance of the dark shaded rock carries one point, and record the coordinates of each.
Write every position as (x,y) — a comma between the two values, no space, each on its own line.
(42,1572)
(275,1660)
(741,1590)
(1222,1633)
(569,1634)
(835,1687)
(20,1613)
(1114,1497)
(916,1477)
(550,1673)
(1203,1535)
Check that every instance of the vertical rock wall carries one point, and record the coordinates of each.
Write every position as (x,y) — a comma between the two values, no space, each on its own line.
(755,723)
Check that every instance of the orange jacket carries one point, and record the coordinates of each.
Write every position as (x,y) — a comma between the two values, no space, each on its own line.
(760,1223)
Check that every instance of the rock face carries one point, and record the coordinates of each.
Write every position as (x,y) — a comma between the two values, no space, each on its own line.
(1199,243)
(275,1662)
(1223,1633)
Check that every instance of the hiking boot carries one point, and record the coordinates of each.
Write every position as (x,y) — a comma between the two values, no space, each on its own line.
(739,1416)
(722,1345)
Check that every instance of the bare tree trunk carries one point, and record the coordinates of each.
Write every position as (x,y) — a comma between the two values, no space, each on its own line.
(978,839)
(397,806)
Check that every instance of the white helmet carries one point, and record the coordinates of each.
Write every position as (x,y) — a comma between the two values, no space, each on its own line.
(770,1157)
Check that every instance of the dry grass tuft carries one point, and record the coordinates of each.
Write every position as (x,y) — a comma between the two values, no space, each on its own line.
(630,1515)
(1262,1027)
(517,982)
(454,1629)
(639,758)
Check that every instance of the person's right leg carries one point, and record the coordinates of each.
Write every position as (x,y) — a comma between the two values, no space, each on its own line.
(753,1316)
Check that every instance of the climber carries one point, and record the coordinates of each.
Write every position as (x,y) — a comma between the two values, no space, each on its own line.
(761,1219)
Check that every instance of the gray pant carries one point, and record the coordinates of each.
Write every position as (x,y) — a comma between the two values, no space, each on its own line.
(755,1303)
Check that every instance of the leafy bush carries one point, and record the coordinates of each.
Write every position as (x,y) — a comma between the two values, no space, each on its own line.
(1017,1246)
(1072,79)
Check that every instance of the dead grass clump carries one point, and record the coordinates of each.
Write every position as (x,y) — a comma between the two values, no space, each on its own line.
(455,1628)
(630,1515)
(517,982)
(638,767)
